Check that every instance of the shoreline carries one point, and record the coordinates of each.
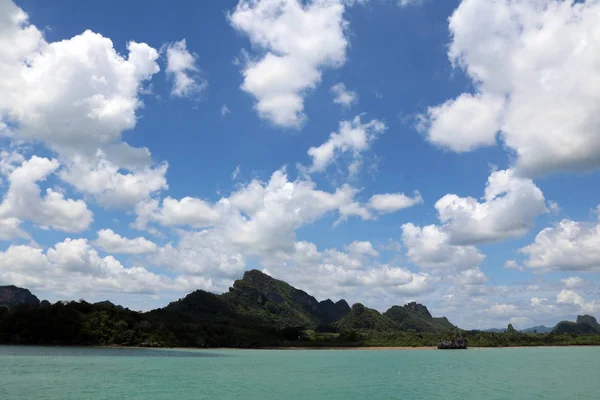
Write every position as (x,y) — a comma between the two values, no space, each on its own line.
(324,348)
(315,348)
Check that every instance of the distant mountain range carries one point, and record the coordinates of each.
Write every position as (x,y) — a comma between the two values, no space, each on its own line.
(257,311)
(535,329)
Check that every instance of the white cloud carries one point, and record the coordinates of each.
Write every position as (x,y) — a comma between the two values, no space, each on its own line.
(567,246)
(298,41)
(343,260)
(225,110)
(534,67)
(406,3)
(9,161)
(235,172)
(188,211)
(23,200)
(472,276)
(109,185)
(181,67)
(429,247)
(343,96)
(509,208)
(502,310)
(389,203)
(513,264)
(74,95)
(537,302)
(73,267)
(567,296)
(572,282)
(10,228)
(112,242)
(353,274)
(77,96)
(464,123)
(353,137)
(258,214)
(362,248)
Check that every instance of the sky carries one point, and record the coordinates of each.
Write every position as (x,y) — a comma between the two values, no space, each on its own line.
(445,152)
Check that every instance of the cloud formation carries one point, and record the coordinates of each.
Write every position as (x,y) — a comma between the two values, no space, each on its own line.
(534,68)
(297,42)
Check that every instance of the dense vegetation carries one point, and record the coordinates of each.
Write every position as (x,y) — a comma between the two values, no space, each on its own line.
(258,311)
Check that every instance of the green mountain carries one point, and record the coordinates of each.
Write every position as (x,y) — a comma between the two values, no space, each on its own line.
(585,324)
(279,304)
(416,317)
(364,319)
(258,310)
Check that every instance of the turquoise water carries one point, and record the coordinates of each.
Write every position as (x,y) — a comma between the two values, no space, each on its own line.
(45,373)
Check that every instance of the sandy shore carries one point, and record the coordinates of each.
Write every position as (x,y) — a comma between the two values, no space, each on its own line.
(367,348)
(370,348)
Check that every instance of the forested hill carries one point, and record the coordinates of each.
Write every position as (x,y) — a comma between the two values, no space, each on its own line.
(257,311)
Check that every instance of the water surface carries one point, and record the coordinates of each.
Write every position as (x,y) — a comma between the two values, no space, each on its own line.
(46,373)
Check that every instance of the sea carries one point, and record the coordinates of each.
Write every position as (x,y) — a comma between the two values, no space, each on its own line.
(69,373)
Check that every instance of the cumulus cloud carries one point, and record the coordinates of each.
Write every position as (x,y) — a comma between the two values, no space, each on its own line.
(10,228)
(392,202)
(534,68)
(72,266)
(74,95)
(464,123)
(354,137)
(182,69)
(470,277)
(510,205)
(23,201)
(352,274)
(568,296)
(111,186)
(502,310)
(189,211)
(77,96)
(258,214)
(112,242)
(362,248)
(567,246)
(298,41)
(429,247)
(343,96)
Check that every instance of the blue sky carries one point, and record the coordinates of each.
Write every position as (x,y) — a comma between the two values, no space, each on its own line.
(377,151)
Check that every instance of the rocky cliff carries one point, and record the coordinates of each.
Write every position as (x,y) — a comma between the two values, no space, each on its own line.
(12,296)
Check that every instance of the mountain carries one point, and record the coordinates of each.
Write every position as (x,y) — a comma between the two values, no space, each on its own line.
(257,311)
(363,319)
(107,303)
(333,312)
(537,329)
(414,316)
(585,324)
(281,304)
(12,296)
